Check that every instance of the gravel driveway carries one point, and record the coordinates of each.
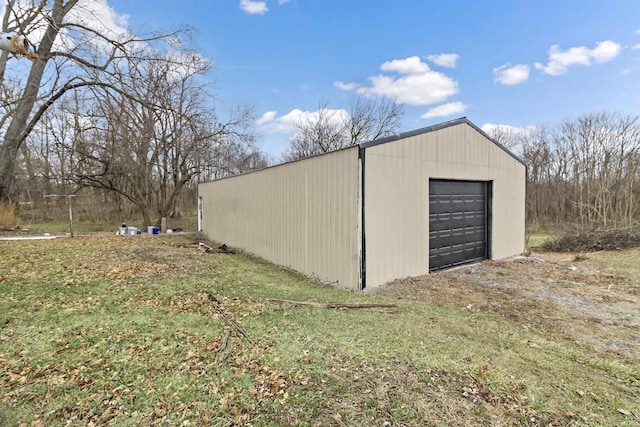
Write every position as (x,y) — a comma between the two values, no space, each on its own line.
(559,294)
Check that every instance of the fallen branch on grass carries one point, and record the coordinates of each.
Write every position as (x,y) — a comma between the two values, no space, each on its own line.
(181,245)
(220,250)
(231,320)
(331,305)
(204,248)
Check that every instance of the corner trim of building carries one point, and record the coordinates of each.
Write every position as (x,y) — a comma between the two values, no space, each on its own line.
(363,241)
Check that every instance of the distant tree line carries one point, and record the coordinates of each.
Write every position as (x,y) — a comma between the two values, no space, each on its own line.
(584,172)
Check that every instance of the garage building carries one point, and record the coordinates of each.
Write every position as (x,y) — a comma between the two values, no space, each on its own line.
(360,217)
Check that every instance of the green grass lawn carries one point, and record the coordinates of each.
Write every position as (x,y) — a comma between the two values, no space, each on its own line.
(62,227)
(537,239)
(188,223)
(129,331)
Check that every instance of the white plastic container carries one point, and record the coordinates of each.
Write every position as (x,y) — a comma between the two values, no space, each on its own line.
(133,231)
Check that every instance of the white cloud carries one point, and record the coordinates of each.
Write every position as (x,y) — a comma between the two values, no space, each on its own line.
(510,75)
(283,1)
(411,65)
(416,85)
(346,86)
(445,110)
(636,47)
(266,118)
(98,15)
(560,61)
(605,51)
(270,123)
(254,7)
(445,59)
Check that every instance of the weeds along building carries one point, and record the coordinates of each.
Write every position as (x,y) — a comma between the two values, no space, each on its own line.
(395,207)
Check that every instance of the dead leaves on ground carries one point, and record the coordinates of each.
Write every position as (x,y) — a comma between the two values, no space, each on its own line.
(85,259)
(173,355)
(88,368)
(118,374)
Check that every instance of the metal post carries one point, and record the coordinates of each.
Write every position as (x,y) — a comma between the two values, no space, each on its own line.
(68,196)
(70,214)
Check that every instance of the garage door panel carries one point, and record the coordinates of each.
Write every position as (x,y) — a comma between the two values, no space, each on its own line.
(445,221)
(457,255)
(467,235)
(457,222)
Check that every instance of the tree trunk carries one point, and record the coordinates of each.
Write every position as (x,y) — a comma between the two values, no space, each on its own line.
(16,131)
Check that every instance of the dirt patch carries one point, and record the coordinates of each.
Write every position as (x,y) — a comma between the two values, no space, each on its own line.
(578,303)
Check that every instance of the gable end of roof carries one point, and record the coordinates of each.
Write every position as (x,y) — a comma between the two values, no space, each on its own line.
(444,125)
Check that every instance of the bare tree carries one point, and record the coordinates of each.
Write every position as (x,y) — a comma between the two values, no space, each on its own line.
(148,147)
(329,130)
(371,119)
(604,149)
(507,136)
(72,53)
(585,172)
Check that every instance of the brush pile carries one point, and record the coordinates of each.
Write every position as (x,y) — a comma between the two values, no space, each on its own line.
(595,240)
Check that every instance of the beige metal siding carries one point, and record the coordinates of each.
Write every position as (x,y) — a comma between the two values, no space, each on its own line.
(304,215)
(397,197)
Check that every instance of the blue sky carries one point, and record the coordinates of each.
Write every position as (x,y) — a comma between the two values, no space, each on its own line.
(515,63)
